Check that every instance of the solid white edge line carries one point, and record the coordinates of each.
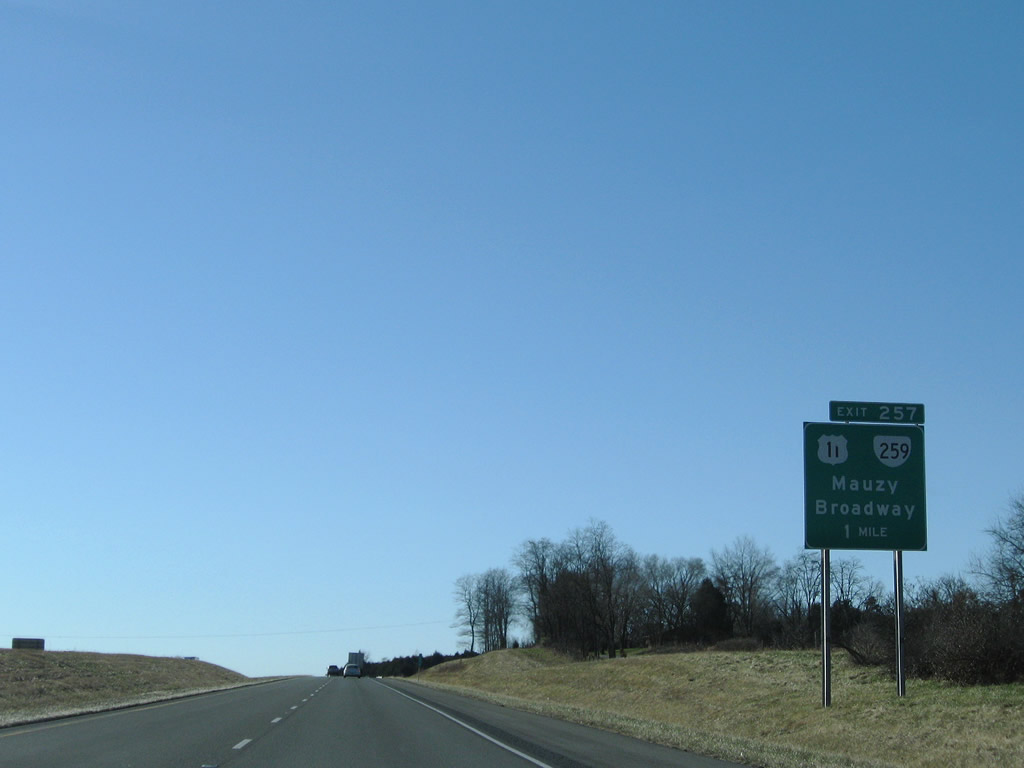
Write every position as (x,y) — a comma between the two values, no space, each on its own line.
(242,743)
(469,727)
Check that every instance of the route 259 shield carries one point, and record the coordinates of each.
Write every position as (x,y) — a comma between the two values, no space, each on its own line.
(892,450)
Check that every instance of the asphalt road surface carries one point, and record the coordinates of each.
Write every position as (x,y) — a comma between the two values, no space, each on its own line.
(310,722)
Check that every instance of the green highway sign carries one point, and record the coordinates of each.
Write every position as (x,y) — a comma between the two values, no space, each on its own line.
(864,487)
(885,413)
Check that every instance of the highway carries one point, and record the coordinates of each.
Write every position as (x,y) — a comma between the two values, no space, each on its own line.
(310,722)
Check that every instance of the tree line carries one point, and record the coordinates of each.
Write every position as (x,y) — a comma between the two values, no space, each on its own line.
(591,595)
(406,666)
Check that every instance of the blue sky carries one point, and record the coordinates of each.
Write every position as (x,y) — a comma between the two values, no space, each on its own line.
(312,308)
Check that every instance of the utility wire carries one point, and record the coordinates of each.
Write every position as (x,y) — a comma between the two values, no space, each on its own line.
(244,634)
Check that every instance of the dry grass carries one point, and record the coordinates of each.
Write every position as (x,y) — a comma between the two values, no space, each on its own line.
(38,685)
(760,708)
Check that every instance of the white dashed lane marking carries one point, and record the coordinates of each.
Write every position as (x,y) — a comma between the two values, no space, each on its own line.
(242,743)
(275,720)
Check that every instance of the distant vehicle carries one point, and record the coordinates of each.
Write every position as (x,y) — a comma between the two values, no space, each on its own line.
(333,671)
(352,670)
(356,657)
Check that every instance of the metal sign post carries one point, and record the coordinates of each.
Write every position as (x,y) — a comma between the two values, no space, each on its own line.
(901,672)
(826,629)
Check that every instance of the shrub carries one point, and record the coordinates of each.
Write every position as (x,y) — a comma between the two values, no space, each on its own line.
(958,637)
(871,643)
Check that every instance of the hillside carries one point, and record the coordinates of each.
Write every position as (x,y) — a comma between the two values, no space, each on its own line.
(758,708)
(37,685)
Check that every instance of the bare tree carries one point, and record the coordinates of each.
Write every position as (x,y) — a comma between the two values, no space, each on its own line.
(627,595)
(797,590)
(496,596)
(687,575)
(570,606)
(1003,570)
(612,570)
(656,575)
(584,592)
(668,587)
(850,585)
(602,553)
(746,575)
(928,594)
(536,561)
(468,608)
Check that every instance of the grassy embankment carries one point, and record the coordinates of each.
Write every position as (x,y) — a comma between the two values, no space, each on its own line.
(758,708)
(38,685)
